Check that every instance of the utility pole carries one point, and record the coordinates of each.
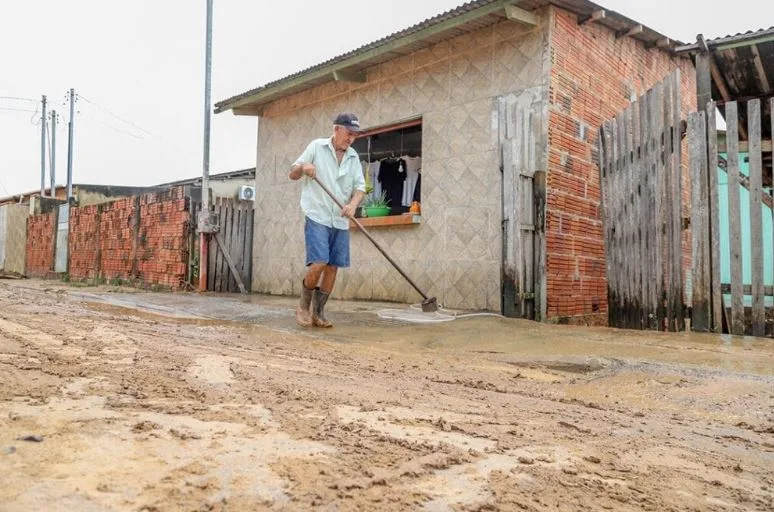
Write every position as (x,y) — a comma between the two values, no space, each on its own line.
(53,153)
(70,146)
(207,225)
(43,148)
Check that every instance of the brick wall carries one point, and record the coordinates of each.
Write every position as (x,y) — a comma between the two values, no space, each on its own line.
(40,244)
(593,77)
(162,246)
(107,241)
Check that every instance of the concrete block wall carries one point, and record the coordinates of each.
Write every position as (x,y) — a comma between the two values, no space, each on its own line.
(593,77)
(40,244)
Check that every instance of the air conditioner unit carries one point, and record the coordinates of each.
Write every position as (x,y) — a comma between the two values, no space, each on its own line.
(247,193)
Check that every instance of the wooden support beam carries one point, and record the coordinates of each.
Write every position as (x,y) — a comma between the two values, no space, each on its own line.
(762,78)
(349,75)
(227,256)
(661,42)
(703,80)
(594,16)
(766,146)
(247,111)
(743,99)
(702,43)
(637,29)
(720,82)
(742,179)
(515,13)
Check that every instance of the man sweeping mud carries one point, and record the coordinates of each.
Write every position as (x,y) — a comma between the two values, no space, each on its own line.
(326,230)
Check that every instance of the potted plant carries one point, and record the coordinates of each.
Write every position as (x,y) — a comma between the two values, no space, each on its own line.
(376,206)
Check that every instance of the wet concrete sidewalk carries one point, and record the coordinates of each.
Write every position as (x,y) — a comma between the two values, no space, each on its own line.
(359,322)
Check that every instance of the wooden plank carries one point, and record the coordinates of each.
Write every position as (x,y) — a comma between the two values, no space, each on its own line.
(747,289)
(623,125)
(734,220)
(220,262)
(697,147)
(212,258)
(644,211)
(229,238)
(660,219)
(744,146)
(616,198)
(508,277)
(613,221)
(714,218)
(634,218)
(653,151)
(703,80)
(669,199)
(636,254)
(228,212)
(756,213)
(631,221)
(604,143)
(236,253)
(248,268)
(239,240)
(677,205)
(519,154)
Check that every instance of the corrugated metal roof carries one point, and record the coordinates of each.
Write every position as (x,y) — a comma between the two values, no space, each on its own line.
(468,17)
(742,69)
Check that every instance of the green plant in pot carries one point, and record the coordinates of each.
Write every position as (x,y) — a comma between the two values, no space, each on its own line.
(376,206)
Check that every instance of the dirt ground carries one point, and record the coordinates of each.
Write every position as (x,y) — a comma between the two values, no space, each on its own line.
(145,410)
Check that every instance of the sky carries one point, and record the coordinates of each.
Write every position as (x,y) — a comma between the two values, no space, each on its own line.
(137,67)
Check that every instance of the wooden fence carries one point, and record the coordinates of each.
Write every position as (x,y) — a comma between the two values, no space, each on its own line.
(640,171)
(710,309)
(236,235)
(640,165)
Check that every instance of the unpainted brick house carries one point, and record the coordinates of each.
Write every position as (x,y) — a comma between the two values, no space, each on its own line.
(498,103)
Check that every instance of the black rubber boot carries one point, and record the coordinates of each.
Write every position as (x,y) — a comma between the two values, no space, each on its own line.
(303,312)
(318,306)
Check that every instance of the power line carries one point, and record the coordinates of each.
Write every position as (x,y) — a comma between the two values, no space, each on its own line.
(110,112)
(11,109)
(18,98)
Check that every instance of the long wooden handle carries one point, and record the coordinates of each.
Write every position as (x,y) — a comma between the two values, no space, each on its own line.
(368,235)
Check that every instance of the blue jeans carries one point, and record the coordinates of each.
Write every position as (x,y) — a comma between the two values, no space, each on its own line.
(326,245)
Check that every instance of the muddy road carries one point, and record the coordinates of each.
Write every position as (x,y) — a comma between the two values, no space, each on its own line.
(143,410)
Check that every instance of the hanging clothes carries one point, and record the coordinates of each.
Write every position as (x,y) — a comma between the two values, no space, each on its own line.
(371,172)
(413,165)
(392,176)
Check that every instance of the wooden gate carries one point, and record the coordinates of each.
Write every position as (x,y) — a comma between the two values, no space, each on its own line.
(236,234)
(523,153)
(640,163)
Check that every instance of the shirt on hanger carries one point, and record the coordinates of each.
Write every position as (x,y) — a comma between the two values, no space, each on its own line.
(392,175)
(413,166)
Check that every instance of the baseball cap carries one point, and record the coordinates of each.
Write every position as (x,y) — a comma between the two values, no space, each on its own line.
(348,121)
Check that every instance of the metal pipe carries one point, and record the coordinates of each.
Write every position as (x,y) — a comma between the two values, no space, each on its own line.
(53,154)
(43,148)
(70,146)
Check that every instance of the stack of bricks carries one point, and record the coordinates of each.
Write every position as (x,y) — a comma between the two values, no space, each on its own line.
(594,76)
(83,242)
(40,244)
(137,239)
(162,245)
(117,239)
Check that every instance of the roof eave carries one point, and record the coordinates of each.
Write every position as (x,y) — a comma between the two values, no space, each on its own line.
(258,98)
(727,43)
